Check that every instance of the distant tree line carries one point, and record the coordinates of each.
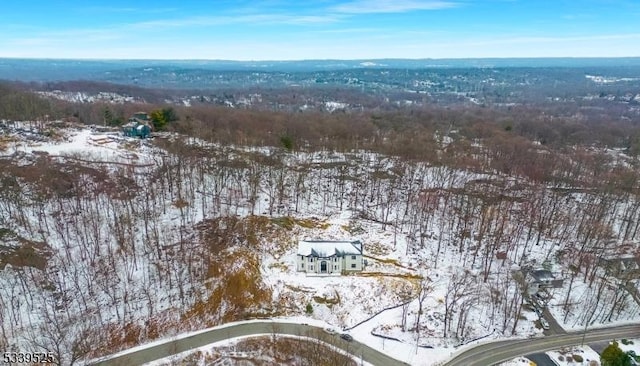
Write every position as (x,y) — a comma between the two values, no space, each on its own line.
(523,139)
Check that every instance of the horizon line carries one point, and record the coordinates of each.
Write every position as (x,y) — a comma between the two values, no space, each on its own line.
(329,59)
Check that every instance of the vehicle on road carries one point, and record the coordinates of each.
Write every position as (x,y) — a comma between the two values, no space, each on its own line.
(346,337)
(329,330)
(544,323)
(538,311)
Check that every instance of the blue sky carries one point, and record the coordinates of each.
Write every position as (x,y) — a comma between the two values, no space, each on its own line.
(319,29)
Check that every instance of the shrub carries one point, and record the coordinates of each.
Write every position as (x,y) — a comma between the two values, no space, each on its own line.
(287,142)
(577,358)
(626,342)
(309,309)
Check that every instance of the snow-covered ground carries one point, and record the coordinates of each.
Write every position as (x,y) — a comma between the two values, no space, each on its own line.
(394,275)
(571,356)
(586,355)
(81,97)
(332,106)
(520,361)
(132,253)
(632,345)
(86,144)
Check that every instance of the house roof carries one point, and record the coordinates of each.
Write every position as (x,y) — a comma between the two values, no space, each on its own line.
(624,262)
(324,248)
(620,258)
(542,275)
(141,115)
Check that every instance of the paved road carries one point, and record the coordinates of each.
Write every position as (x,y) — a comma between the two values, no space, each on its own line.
(600,346)
(481,355)
(494,353)
(246,329)
(541,359)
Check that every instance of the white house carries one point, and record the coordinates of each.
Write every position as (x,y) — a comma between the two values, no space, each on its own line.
(327,257)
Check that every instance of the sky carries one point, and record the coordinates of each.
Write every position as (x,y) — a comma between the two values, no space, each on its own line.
(318,29)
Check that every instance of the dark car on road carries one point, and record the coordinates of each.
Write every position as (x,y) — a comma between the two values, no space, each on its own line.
(346,337)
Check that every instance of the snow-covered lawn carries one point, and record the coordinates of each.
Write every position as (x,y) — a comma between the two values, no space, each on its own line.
(85,144)
(631,345)
(574,356)
(520,361)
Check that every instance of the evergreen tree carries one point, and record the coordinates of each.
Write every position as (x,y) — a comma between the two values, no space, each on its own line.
(107,117)
(112,120)
(614,356)
(160,118)
(287,142)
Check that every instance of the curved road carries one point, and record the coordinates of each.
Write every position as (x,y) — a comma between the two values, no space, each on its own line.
(480,355)
(496,352)
(169,348)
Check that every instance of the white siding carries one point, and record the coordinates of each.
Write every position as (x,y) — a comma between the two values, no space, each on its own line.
(335,264)
(352,264)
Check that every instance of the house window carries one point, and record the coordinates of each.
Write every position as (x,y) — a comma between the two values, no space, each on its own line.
(311,259)
(335,267)
(302,265)
(335,259)
(311,268)
(353,257)
(353,265)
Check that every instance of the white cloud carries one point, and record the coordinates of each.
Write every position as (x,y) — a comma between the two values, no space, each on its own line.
(392,6)
(130,31)
(113,9)
(348,31)
(66,38)
(264,19)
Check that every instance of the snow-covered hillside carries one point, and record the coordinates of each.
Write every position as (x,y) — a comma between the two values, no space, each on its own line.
(82,97)
(107,242)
